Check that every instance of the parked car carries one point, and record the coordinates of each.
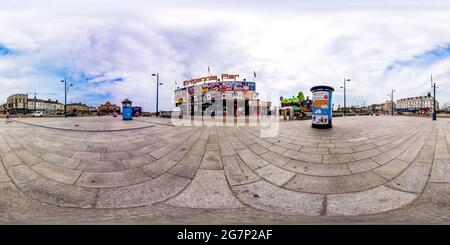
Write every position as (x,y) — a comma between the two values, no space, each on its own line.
(37,114)
(71,114)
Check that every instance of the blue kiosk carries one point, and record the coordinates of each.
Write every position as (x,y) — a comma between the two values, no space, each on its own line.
(127,110)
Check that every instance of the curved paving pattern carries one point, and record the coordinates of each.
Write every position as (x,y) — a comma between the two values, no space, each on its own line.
(364,165)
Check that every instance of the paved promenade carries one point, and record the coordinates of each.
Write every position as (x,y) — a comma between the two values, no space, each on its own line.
(366,169)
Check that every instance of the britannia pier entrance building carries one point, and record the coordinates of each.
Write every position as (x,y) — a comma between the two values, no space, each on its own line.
(227,96)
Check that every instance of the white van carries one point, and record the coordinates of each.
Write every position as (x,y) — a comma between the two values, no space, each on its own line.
(37,114)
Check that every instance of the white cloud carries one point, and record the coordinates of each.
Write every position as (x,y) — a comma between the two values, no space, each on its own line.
(292,46)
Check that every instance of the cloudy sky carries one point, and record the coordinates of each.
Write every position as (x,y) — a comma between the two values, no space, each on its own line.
(109,49)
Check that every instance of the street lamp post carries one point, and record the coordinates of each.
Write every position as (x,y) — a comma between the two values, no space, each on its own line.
(157,92)
(66,90)
(434,98)
(345,96)
(392,101)
(35,102)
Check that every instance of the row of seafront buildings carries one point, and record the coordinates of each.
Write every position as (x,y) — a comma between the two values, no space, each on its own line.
(411,105)
(22,104)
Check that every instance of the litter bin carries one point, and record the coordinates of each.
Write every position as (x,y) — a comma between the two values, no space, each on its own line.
(321,108)
(127,110)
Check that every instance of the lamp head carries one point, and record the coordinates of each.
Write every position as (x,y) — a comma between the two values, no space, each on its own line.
(153,75)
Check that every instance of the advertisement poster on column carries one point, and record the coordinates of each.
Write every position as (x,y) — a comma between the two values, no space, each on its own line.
(321,110)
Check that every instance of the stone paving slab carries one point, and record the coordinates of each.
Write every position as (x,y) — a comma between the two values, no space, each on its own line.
(251,159)
(22,173)
(136,162)
(334,184)
(392,168)
(413,179)
(90,156)
(441,171)
(112,179)
(99,166)
(376,200)
(114,156)
(387,156)
(341,150)
(306,168)
(237,171)
(27,157)
(211,160)
(187,167)
(337,158)
(3,176)
(303,156)
(277,149)
(275,174)
(53,192)
(4,147)
(153,191)
(366,154)
(275,159)
(54,172)
(209,189)
(226,149)
(62,161)
(160,153)
(158,167)
(426,155)
(10,159)
(362,165)
(269,197)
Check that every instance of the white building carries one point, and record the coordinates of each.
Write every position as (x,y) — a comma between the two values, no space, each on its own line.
(47,106)
(417,103)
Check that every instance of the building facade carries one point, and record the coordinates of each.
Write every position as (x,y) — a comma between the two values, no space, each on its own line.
(108,108)
(388,106)
(3,108)
(47,106)
(17,103)
(20,103)
(226,96)
(415,104)
(78,108)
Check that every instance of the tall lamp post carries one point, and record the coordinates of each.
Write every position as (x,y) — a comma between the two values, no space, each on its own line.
(66,90)
(433,85)
(345,98)
(157,92)
(34,101)
(392,101)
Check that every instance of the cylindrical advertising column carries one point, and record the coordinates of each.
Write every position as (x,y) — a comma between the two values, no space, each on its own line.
(322,107)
